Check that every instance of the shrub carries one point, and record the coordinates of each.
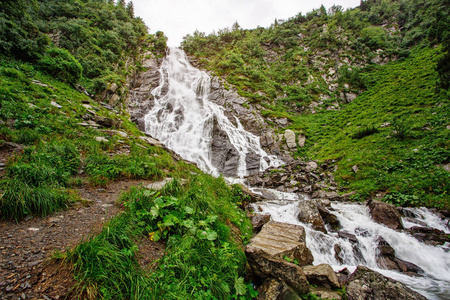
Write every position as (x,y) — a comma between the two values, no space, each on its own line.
(363,132)
(62,65)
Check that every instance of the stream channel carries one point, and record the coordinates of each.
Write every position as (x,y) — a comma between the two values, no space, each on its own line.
(184,120)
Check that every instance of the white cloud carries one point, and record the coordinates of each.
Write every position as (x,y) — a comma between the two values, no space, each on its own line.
(177,18)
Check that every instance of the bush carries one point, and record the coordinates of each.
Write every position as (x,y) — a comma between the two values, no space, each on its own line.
(62,65)
(363,132)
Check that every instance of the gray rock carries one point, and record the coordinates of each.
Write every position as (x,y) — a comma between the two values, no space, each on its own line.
(56,104)
(101,139)
(289,135)
(322,275)
(159,185)
(224,156)
(312,165)
(365,283)
(385,213)
(329,218)
(281,239)
(308,213)
(301,140)
(355,169)
(258,221)
(265,265)
(151,141)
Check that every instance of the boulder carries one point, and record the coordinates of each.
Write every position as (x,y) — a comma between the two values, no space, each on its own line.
(365,283)
(289,135)
(258,222)
(107,122)
(265,265)
(301,140)
(329,219)
(322,275)
(386,214)
(325,293)
(309,213)
(281,239)
(429,236)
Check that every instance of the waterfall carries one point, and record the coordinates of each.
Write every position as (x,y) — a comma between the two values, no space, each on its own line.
(188,123)
(355,219)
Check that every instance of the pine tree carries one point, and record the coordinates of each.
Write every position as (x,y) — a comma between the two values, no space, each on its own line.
(121,3)
(130,9)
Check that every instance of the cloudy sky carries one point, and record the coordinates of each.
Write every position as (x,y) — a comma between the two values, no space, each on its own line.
(178,18)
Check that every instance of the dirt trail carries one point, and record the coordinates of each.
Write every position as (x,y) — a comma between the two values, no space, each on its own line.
(25,270)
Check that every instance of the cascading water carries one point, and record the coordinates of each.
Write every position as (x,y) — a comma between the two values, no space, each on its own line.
(183,118)
(355,219)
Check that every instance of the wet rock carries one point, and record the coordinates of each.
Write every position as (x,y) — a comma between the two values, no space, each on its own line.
(258,222)
(265,265)
(365,283)
(343,276)
(349,236)
(415,221)
(329,219)
(224,156)
(308,213)
(322,275)
(253,162)
(429,236)
(281,239)
(338,253)
(385,214)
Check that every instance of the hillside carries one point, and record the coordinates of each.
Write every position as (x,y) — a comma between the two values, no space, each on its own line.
(365,86)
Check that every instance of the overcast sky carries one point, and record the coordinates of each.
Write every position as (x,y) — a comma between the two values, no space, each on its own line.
(178,18)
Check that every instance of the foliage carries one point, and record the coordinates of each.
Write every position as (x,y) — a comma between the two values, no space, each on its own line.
(62,65)
(202,259)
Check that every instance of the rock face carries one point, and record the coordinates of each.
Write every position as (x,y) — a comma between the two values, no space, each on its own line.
(140,99)
(281,239)
(258,222)
(223,154)
(367,284)
(385,214)
(308,213)
(322,275)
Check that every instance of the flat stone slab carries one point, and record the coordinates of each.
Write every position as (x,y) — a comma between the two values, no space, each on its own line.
(281,239)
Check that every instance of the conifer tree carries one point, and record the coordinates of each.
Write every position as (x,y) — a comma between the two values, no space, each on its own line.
(130,9)
(121,3)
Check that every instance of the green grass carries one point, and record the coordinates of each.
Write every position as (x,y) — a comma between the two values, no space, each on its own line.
(402,159)
(202,260)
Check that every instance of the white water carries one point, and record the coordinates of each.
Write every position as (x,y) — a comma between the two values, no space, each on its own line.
(182,118)
(355,219)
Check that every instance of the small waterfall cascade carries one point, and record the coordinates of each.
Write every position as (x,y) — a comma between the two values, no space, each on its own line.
(355,219)
(184,120)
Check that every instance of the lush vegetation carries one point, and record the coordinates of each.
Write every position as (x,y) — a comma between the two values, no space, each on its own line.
(386,54)
(95,43)
(204,258)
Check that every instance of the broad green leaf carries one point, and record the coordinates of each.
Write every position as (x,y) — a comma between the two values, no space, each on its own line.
(189,223)
(189,210)
(240,286)
(211,235)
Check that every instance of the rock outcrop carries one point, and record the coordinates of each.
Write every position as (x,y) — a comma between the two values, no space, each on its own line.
(429,236)
(386,214)
(365,283)
(387,259)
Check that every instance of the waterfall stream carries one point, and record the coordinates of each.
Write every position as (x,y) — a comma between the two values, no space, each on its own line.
(184,120)
(355,219)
